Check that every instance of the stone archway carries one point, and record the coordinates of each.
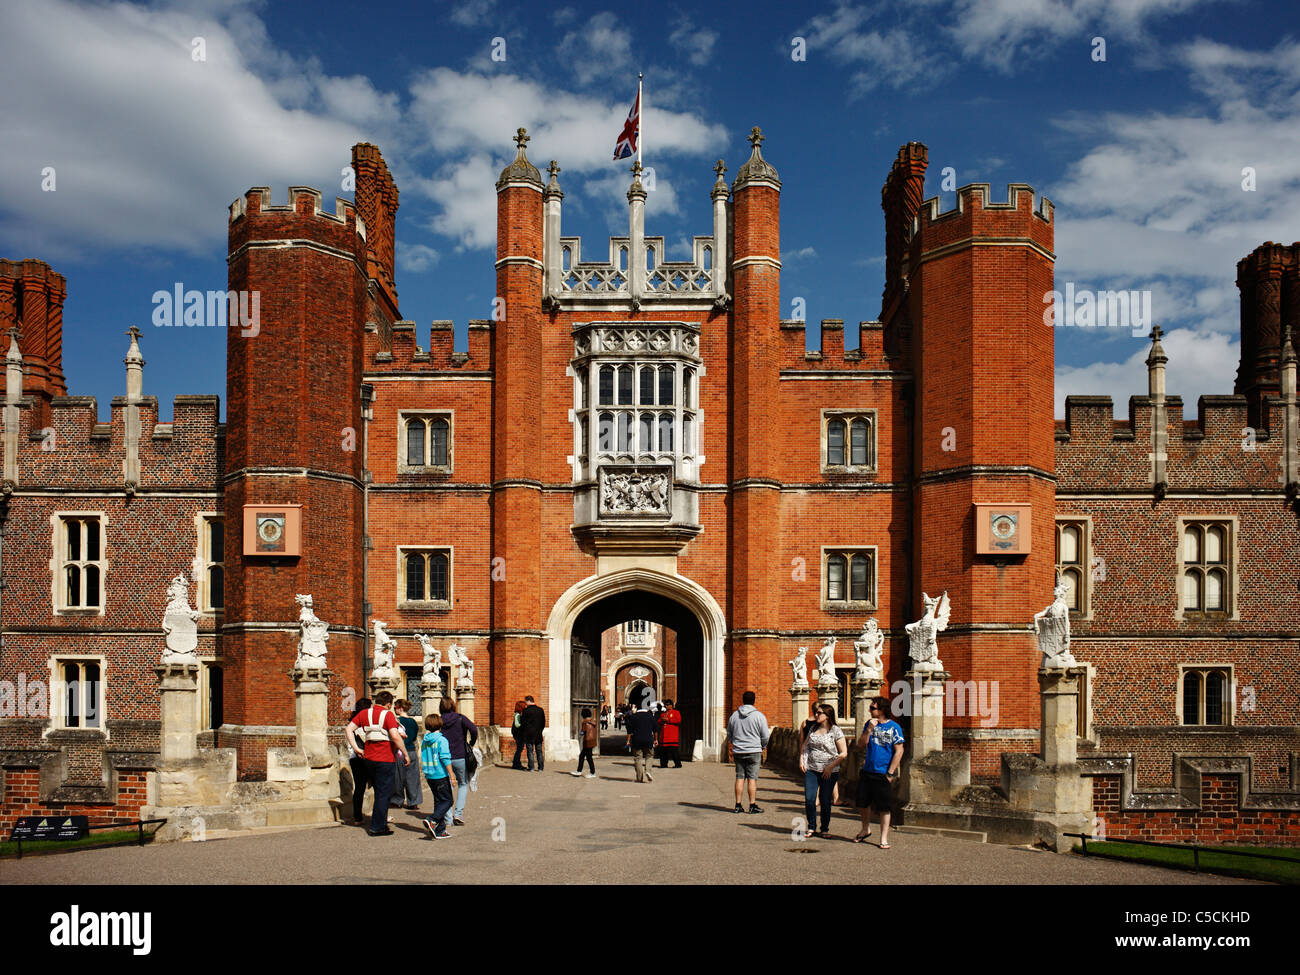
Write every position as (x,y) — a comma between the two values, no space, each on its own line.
(626,660)
(690,598)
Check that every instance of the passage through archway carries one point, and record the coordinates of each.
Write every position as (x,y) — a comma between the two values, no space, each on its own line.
(598,603)
(637,675)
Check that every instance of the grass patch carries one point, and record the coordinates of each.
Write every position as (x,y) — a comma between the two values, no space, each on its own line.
(1219,859)
(98,838)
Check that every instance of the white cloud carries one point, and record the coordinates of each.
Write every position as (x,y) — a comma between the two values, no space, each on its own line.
(144,140)
(895,57)
(471,118)
(1196,367)
(799,254)
(472,13)
(694,41)
(415,258)
(599,48)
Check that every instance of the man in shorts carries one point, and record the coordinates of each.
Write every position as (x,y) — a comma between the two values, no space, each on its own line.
(879,770)
(747,737)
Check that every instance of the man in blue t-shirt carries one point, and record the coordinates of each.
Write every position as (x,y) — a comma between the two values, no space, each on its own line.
(879,770)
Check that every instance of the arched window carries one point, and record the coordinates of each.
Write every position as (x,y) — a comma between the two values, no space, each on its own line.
(708,258)
(835,566)
(835,443)
(687,376)
(605,433)
(667,380)
(566,257)
(625,432)
(1192,697)
(606,385)
(625,386)
(1207,696)
(858,442)
(1206,573)
(415,442)
(438,564)
(646,439)
(622,258)
(439,436)
(666,433)
(858,580)
(415,576)
(688,438)
(1071,552)
(647,385)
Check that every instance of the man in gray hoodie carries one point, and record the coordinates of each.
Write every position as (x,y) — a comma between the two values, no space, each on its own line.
(747,738)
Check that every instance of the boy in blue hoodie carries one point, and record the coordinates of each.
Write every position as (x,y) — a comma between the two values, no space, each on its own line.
(435,755)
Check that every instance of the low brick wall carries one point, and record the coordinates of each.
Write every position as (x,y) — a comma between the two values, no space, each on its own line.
(20,796)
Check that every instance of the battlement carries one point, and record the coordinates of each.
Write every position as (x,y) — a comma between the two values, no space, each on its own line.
(974,197)
(303,200)
(396,349)
(833,354)
(1089,419)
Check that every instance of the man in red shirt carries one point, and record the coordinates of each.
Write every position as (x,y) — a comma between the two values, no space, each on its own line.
(378,728)
(670,740)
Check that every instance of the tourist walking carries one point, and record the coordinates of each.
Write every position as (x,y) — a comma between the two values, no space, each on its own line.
(357,762)
(879,770)
(517,733)
(589,735)
(824,748)
(641,741)
(747,737)
(435,755)
(533,723)
(408,792)
(382,743)
(670,740)
(461,734)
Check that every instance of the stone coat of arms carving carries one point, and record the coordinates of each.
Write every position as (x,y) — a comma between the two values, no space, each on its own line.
(634,492)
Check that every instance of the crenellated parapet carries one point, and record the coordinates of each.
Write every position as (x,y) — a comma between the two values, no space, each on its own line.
(833,352)
(403,352)
(975,213)
(254,220)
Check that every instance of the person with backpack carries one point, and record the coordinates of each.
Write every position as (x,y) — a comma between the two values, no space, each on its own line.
(590,735)
(461,734)
(382,743)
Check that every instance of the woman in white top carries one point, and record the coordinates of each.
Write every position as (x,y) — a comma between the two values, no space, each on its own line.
(824,748)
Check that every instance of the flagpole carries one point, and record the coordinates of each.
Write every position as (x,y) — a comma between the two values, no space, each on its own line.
(640,122)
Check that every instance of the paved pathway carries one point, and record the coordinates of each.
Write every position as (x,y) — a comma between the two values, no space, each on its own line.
(553,828)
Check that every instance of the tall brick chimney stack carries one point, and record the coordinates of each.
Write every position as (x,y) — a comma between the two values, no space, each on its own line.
(755,344)
(31,298)
(519,659)
(294,430)
(1269,281)
(900,198)
(376,197)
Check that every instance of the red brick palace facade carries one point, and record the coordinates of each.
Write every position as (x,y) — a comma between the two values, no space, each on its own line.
(630,438)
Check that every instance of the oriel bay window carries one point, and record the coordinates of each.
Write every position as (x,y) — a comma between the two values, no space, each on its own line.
(639,415)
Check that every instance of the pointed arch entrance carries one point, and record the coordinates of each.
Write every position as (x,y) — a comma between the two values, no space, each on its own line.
(598,602)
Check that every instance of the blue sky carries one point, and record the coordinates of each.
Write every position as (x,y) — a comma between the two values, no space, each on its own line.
(1142,153)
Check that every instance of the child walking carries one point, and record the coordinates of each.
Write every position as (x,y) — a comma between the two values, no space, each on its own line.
(435,755)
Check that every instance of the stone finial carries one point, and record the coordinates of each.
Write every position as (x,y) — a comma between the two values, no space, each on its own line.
(636,189)
(1157,355)
(1288,350)
(520,169)
(720,188)
(756,167)
(553,184)
(14,352)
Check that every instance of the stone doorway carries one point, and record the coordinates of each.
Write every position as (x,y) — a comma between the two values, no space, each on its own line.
(598,604)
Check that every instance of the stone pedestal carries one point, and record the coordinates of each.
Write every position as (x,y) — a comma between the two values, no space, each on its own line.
(799,704)
(1060,716)
(382,682)
(863,691)
(828,692)
(465,701)
(311,696)
(430,696)
(927,712)
(178,688)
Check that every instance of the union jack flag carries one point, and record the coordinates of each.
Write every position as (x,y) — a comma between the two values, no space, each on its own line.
(627,141)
